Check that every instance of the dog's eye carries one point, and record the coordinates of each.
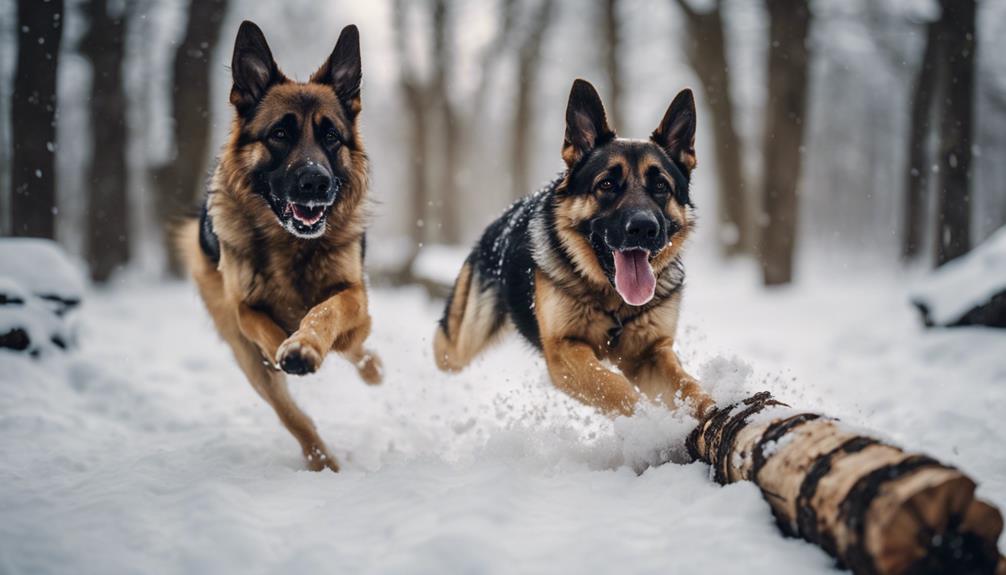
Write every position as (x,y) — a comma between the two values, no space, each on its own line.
(331,137)
(606,185)
(279,134)
(661,187)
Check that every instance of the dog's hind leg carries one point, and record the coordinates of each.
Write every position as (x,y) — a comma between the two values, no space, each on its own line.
(471,320)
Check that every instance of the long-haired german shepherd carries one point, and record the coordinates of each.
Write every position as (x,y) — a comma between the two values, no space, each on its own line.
(589,269)
(278,251)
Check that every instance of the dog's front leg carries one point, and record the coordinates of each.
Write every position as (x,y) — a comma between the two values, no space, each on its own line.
(325,324)
(575,369)
(677,382)
(259,328)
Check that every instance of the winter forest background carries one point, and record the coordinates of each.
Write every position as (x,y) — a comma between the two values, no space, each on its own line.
(900,127)
(850,163)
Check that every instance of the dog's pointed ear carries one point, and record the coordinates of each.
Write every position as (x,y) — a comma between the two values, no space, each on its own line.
(676,132)
(252,67)
(343,69)
(586,124)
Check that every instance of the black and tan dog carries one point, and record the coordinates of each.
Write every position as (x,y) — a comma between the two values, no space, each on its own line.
(278,252)
(588,269)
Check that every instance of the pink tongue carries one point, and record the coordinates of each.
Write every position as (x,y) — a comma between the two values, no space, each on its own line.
(307,215)
(634,277)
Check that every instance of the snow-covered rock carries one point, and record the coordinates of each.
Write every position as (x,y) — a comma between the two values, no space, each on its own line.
(970,290)
(39,289)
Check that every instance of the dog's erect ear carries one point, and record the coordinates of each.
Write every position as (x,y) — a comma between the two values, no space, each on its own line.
(252,67)
(676,132)
(343,70)
(586,124)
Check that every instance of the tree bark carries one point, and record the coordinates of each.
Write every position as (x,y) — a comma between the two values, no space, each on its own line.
(789,24)
(875,508)
(917,169)
(108,226)
(529,61)
(953,205)
(33,118)
(180,181)
(612,44)
(707,54)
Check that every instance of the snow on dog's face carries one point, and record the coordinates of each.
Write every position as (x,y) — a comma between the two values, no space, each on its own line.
(626,201)
(298,141)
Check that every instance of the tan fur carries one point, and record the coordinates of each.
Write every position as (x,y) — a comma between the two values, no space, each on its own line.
(274,297)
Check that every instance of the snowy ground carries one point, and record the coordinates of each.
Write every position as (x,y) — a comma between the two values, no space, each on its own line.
(146,452)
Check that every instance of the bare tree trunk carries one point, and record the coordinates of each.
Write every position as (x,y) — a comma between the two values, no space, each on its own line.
(872,506)
(953,205)
(789,24)
(180,181)
(529,61)
(612,44)
(414,95)
(450,124)
(491,56)
(917,168)
(415,103)
(707,53)
(470,128)
(33,118)
(5,175)
(108,229)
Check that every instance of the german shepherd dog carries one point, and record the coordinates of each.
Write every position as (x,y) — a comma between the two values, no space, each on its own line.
(277,253)
(589,268)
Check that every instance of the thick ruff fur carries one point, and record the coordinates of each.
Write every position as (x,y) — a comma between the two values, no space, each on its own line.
(278,251)
(547,266)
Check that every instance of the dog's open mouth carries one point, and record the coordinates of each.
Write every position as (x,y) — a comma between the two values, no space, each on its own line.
(306,219)
(307,215)
(634,279)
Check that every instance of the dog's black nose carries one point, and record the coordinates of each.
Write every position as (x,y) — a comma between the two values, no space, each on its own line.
(642,226)
(313,183)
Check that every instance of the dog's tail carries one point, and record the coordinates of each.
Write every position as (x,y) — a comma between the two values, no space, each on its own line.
(472,318)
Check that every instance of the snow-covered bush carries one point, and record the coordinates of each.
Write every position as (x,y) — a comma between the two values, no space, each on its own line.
(970,290)
(39,289)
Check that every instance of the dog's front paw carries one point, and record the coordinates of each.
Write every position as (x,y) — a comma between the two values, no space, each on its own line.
(297,356)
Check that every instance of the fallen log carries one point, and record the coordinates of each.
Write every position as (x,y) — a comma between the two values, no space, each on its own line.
(875,508)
